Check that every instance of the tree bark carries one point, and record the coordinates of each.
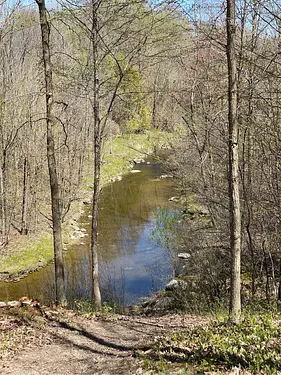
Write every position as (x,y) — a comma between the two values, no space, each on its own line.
(234,200)
(54,185)
(155,98)
(3,207)
(97,155)
(24,228)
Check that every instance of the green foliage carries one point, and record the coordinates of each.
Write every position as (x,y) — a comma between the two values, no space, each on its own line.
(112,308)
(254,344)
(136,114)
(141,119)
(160,366)
(85,307)
(88,309)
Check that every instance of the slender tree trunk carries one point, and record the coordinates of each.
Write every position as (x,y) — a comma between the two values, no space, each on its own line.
(234,204)
(24,229)
(97,155)
(54,185)
(3,207)
(247,143)
(155,98)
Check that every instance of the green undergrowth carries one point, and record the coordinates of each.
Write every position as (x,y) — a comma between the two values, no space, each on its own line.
(88,309)
(31,252)
(253,346)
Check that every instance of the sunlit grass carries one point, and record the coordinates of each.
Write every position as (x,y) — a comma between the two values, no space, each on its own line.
(118,154)
(29,255)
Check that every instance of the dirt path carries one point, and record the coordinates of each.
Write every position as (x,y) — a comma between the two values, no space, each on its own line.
(76,345)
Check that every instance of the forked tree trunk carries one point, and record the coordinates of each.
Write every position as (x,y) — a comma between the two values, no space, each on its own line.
(234,201)
(55,193)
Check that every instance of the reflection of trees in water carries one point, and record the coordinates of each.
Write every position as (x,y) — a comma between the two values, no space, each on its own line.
(160,268)
(38,285)
(112,284)
(125,209)
(166,232)
(78,276)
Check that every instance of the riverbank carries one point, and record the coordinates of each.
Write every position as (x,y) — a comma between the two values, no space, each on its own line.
(26,254)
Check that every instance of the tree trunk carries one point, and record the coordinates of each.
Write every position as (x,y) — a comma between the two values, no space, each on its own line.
(3,207)
(54,185)
(234,201)
(24,228)
(97,155)
(155,98)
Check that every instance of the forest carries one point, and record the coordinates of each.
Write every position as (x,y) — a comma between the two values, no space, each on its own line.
(90,89)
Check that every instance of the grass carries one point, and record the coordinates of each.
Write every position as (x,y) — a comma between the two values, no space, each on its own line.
(40,252)
(123,151)
(252,346)
(28,253)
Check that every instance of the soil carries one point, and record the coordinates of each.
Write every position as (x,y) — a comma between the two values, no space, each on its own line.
(45,341)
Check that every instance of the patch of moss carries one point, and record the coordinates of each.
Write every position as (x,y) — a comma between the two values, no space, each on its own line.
(27,257)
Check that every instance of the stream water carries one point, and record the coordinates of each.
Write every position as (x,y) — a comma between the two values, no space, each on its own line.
(132,265)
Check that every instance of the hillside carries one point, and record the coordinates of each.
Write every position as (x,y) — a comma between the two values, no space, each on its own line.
(39,340)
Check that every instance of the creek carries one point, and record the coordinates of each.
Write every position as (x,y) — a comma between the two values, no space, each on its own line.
(132,264)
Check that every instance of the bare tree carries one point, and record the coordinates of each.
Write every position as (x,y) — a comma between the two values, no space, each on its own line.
(234,201)
(54,185)
(97,154)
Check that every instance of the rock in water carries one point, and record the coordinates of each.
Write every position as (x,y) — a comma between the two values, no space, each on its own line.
(175,284)
(174,199)
(172,285)
(184,255)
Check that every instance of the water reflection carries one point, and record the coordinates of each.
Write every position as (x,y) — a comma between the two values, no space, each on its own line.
(131,266)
